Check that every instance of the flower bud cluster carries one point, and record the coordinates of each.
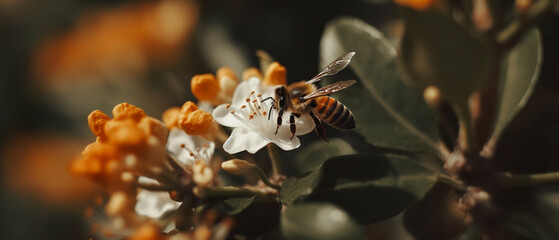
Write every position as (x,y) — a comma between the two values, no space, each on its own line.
(206,87)
(192,120)
(131,142)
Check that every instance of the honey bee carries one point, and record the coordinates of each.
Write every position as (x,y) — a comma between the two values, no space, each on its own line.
(304,98)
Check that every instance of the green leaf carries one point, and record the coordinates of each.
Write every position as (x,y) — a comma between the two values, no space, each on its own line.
(315,153)
(233,205)
(370,187)
(520,71)
(387,112)
(437,51)
(318,221)
(299,186)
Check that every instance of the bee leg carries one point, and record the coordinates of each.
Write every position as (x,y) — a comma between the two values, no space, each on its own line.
(279,120)
(319,128)
(292,126)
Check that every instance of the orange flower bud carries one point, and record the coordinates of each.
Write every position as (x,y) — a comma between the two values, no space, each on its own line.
(128,111)
(251,72)
(416,4)
(196,123)
(96,121)
(124,133)
(170,117)
(204,87)
(275,75)
(147,231)
(154,127)
(187,108)
(237,166)
(228,81)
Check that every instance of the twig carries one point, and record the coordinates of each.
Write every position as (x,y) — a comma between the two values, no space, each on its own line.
(274,158)
(512,33)
(517,180)
(264,178)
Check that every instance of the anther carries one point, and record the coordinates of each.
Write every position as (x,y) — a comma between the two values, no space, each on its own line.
(264,113)
(244,106)
(182,145)
(247,100)
(251,92)
(232,111)
(259,95)
(250,117)
(206,145)
(254,101)
(191,154)
(228,106)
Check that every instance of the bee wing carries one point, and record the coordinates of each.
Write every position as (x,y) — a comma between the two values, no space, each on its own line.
(328,89)
(334,67)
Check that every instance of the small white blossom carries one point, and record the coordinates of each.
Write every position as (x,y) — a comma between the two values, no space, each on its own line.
(187,149)
(153,204)
(253,128)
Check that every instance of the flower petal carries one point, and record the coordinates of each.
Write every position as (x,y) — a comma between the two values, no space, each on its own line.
(154,204)
(223,116)
(181,145)
(242,139)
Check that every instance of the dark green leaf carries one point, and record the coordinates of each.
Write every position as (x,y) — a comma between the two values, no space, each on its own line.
(438,51)
(370,187)
(318,221)
(520,71)
(315,153)
(299,186)
(387,112)
(233,205)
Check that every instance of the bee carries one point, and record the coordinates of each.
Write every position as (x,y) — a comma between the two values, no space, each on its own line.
(304,98)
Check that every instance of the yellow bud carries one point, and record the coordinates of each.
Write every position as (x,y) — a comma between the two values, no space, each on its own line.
(202,174)
(128,111)
(96,121)
(275,75)
(171,117)
(432,96)
(204,87)
(237,166)
(251,72)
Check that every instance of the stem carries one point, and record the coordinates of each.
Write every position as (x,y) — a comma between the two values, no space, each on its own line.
(451,182)
(155,187)
(274,158)
(466,141)
(210,191)
(518,180)
(264,178)
(512,33)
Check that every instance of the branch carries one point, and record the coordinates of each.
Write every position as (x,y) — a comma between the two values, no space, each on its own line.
(512,33)
(518,180)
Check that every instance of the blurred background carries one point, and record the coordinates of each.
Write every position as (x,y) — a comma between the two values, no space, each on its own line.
(62,59)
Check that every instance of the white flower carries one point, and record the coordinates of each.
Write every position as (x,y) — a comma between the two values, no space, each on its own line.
(187,149)
(253,128)
(153,204)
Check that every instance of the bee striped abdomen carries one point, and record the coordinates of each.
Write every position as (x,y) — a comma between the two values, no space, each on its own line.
(334,113)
